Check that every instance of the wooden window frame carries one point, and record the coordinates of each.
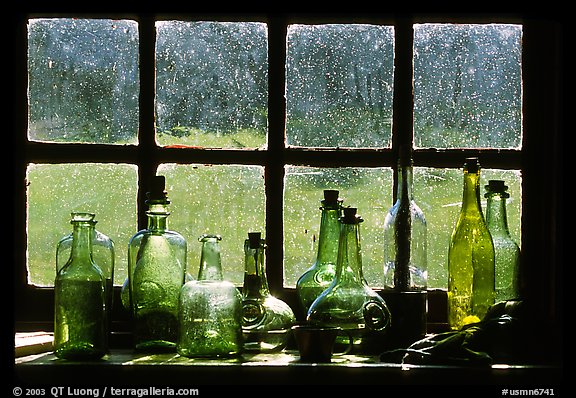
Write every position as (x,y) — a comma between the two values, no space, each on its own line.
(539,159)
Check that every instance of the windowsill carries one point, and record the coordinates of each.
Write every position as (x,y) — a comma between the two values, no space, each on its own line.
(130,367)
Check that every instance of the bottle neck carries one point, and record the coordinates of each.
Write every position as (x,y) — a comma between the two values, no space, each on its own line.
(255,282)
(210,260)
(404,184)
(329,234)
(471,193)
(82,242)
(349,264)
(496,214)
(157,217)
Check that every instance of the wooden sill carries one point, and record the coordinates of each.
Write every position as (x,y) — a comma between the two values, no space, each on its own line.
(31,343)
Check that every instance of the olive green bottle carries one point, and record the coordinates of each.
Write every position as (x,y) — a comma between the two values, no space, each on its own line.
(321,274)
(80,301)
(471,272)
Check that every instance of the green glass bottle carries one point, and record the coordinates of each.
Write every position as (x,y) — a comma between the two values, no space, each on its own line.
(506,250)
(103,254)
(321,274)
(405,261)
(156,272)
(349,303)
(80,301)
(210,309)
(471,277)
(266,320)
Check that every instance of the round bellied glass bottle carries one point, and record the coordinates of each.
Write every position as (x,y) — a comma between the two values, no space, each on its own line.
(471,276)
(79,301)
(507,252)
(349,303)
(156,271)
(103,254)
(321,274)
(210,309)
(266,320)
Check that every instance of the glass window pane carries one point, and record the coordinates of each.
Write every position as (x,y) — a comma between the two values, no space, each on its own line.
(339,81)
(56,190)
(83,80)
(227,200)
(467,86)
(438,192)
(211,84)
(368,189)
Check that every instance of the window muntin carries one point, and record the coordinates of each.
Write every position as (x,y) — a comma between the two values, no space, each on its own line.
(56,190)
(83,80)
(339,83)
(227,200)
(467,86)
(211,84)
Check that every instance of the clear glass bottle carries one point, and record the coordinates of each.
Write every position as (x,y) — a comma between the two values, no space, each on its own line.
(80,300)
(471,277)
(210,309)
(321,274)
(507,252)
(266,320)
(103,254)
(405,261)
(156,271)
(349,303)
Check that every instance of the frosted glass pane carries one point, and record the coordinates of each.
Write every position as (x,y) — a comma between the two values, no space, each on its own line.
(368,189)
(211,84)
(83,80)
(223,199)
(438,192)
(467,86)
(339,81)
(56,190)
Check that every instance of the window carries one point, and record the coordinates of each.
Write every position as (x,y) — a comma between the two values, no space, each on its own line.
(249,120)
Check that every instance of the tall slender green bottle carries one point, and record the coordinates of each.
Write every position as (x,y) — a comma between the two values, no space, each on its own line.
(506,250)
(80,300)
(156,272)
(321,274)
(471,275)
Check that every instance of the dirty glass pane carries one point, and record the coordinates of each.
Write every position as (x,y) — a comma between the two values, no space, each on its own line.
(467,86)
(368,189)
(438,192)
(56,190)
(339,81)
(211,84)
(83,80)
(222,199)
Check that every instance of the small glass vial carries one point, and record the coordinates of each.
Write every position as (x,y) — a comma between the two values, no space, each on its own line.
(210,309)
(266,320)
(80,300)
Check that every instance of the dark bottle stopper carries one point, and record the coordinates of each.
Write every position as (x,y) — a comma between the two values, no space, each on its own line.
(254,239)
(158,190)
(350,216)
(472,165)
(497,186)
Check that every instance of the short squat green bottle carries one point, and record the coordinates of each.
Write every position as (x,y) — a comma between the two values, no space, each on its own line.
(80,301)
(156,272)
(471,275)
(210,309)
(321,274)
(506,250)
(266,320)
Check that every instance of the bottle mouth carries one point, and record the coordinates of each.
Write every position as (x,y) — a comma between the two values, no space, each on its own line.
(350,216)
